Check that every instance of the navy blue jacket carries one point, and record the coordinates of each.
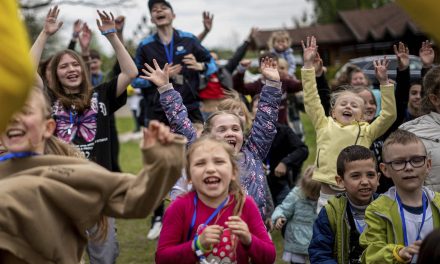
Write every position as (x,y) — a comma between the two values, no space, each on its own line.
(184,43)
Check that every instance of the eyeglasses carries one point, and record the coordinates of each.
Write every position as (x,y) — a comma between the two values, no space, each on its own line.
(416,162)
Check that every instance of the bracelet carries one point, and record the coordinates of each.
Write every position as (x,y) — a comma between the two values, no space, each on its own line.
(106,32)
(198,246)
(396,254)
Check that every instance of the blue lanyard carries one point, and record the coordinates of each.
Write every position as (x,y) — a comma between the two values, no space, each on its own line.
(17,155)
(71,118)
(169,50)
(402,216)
(193,220)
(359,227)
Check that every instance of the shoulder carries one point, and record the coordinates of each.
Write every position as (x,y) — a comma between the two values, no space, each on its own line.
(184,34)
(425,120)
(146,41)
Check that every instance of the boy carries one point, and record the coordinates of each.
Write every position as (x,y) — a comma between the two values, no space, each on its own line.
(339,224)
(400,218)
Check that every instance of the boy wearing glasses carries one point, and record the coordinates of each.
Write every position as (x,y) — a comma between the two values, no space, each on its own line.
(398,220)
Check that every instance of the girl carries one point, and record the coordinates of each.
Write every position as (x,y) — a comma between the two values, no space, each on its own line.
(299,211)
(48,202)
(215,223)
(228,127)
(346,126)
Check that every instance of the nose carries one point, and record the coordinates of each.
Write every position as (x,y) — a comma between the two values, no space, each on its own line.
(364,180)
(210,167)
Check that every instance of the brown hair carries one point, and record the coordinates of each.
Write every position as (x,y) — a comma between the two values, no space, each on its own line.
(81,100)
(402,137)
(360,89)
(282,34)
(310,187)
(234,186)
(230,104)
(350,154)
(431,85)
(207,128)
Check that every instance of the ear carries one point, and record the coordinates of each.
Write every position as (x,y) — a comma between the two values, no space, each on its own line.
(384,169)
(428,164)
(332,113)
(50,128)
(339,180)
(434,100)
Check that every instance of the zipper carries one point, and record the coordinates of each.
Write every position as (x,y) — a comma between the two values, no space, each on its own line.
(317,158)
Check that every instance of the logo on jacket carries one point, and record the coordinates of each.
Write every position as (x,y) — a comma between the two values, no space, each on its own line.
(180,50)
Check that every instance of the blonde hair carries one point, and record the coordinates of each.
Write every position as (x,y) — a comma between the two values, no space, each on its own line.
(279,35)
(231,104)
(207,128)
(345,89)
(234,186)
(310,187)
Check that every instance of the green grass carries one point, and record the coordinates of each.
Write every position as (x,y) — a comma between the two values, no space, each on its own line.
(134,247)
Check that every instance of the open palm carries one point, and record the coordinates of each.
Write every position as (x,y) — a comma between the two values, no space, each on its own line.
(51,25)
(269,69)
(105,21)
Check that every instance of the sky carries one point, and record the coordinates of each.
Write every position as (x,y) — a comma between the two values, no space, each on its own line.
(233,19)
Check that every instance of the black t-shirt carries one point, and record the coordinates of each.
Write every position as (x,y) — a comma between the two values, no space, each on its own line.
(90,130)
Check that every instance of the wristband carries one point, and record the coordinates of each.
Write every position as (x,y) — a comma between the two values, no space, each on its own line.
(396,254)
(106,32)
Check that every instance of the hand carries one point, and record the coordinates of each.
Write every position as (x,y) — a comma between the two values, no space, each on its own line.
(156,132)
(407,253)
(174,69)
(269,69)
(310,49)
(210,236)
(253,34)
(107,22)
(85,38)
(120,23)
(240,229)
(51,25)
(77,25)
(280,170)
(192,63)
(381,67)
(402,54)
(245,63)
(318,64)
(269,225)
(426,54)
(158,76)
(207,21)
(280,223)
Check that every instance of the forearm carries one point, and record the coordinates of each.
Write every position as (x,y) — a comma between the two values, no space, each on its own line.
(38,47)
(180,253)
(128,67)
(312,103)
(202,35)
(388,114)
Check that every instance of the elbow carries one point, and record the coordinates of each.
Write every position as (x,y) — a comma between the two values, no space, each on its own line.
(132,73)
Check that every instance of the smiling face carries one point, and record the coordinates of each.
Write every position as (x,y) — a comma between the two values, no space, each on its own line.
(370,105)
(69,73)
(360,180)
(358,78)
(415,92)
(227,127)
(28,129)
(211,171)
(281,44)
(408,179)
(162,15)
(349,107)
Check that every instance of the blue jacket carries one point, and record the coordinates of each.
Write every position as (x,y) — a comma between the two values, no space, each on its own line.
(253,151)
(184,43)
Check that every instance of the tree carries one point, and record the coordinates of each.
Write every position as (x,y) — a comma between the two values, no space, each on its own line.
(326,11)
(36,4)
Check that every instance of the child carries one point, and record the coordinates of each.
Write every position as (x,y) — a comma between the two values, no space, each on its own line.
(299,211)
(339,224)
(279,43)
(346,125)
(48,202)
(399,219)
(227,126)
(215,222)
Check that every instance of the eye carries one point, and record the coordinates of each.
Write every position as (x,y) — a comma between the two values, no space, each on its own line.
(199,163)
(371,175)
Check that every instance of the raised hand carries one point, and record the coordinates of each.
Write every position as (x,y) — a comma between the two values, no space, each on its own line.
(318,64)
(158,76)
(51,25)
(280,223)
(207,20)
(253,34)
(402,54)
(240,229)
(85,38)
(269,69)
(310,49)
(77,25)
(120,23)
(210,236)
(381,67)
(156,132)
(106,22)
(426,54)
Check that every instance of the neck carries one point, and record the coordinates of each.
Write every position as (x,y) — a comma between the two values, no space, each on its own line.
(212,202)
(411,198)
(71,90)
(165,33)
(412,111)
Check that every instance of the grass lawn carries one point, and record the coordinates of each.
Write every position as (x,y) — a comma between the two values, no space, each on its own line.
(133,244)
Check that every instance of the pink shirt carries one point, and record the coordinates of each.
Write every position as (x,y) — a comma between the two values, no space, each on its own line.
(173,247)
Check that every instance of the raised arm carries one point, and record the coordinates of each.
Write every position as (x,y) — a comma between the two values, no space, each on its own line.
(427,55)
(208,18)
(240,52)
(106,25)
(402,84)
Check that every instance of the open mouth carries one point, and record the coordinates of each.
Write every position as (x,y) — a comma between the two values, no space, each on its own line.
(365,190)
(72,77)
(347,114)
(211,180)
(161,17)
(231,142)
(13,133)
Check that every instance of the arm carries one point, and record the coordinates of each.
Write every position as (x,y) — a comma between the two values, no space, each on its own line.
(286,208)
(240,52)
(128,68)
(321,84)
(202,55)
(207,25)
(16,68)
(300,150)
(427,55)
(75,34)
(322,244)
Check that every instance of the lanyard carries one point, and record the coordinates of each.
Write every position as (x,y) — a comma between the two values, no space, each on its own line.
(402,216)
(169,50)
(71,117)
(193,220)
(17,155)
(359,227)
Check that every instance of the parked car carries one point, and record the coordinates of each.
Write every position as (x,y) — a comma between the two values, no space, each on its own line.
(367,65)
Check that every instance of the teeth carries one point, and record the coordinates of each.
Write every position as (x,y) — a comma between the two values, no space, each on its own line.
(14,133)
(211,180)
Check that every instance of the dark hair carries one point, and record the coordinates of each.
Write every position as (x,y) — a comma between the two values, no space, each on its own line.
(152,2)
(402,137)
(431,85)
(353,153)
(81,100)
(94,54)
(42,67)
(430,249)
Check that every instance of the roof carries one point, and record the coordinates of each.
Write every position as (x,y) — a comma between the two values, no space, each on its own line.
(355,26)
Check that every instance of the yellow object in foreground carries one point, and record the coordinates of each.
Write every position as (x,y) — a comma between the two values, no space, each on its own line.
(426,14)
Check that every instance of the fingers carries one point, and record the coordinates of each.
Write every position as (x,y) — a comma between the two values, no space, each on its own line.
(149,68)
(156,66)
